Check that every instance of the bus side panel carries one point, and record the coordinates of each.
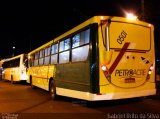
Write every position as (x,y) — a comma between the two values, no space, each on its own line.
(47,73)
(73,76)
(35,73)
(11,73)
(7,74)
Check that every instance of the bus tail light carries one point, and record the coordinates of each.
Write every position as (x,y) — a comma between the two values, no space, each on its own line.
(104,68)
(151,67)
(106,72)
(150,71)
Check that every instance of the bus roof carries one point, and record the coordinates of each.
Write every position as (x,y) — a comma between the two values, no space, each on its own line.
(12,58)
(94,19)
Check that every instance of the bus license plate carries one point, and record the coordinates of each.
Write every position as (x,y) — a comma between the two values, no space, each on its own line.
(130,80)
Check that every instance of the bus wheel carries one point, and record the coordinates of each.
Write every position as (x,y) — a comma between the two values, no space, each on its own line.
(31,83)
(12,79)
(52,90)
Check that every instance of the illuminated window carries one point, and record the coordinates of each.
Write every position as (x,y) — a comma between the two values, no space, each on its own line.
(64,57)
(76,40)
(47,55)
(80,46)
(54,54)
(54,59)
(81,38)
(46,60)
(36,62)
(54,48)
(36,59)
(64,45)
(80,54)
(36,55)
(41,54)
(41,57)
(47,51)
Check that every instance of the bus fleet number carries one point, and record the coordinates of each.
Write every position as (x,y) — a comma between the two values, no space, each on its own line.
(121,37)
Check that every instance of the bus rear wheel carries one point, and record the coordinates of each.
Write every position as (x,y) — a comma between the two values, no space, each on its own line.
(52,90)
(12,82)
(31,83)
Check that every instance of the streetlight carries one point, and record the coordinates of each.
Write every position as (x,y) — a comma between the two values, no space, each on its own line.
(13,51)
(131,16)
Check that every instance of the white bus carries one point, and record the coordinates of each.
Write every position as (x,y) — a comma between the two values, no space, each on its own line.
(15,68)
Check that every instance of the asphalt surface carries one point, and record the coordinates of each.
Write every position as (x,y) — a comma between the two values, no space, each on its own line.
(20,101)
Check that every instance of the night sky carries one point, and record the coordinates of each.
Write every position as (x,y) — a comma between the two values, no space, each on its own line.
(29,24)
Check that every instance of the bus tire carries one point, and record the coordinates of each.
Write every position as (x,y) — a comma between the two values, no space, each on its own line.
(52,90)
(12,82)
(31,83)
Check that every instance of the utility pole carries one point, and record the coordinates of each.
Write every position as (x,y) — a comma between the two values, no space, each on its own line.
(142,11)
(30,45)
(13,48)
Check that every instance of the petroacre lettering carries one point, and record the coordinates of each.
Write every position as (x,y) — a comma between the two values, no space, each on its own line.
(130,72)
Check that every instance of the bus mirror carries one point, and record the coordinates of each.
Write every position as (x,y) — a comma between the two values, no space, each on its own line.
(26,63)
(26,69)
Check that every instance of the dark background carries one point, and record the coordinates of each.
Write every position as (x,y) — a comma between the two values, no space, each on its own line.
(29,24)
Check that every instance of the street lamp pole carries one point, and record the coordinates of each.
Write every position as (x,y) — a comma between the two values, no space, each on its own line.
(142,9)
(13,48)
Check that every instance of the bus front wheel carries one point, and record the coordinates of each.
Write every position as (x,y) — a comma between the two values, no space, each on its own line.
(52,90)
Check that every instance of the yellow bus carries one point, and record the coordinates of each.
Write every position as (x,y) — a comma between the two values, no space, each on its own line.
(103,58)
(15,68)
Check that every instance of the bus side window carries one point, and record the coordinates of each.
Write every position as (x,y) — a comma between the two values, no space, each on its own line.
(36,59)
(54,55)
(47,56)
(41,57)
(64,51)
(31,60)
(80,46)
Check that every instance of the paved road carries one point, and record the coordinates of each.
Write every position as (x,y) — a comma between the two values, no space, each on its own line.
(22,102)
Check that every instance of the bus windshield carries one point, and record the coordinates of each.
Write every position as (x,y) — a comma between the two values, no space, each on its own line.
(137,35)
